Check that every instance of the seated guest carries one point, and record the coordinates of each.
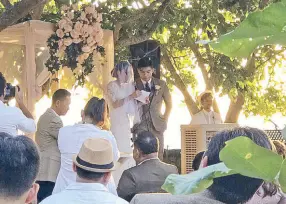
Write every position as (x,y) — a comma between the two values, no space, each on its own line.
(197,160)
(93,166)
(48,128)
(149,174)
(19,166)
(235,188)
(280,148)
(12,118)
(71,138)
(206,115)
(269,193)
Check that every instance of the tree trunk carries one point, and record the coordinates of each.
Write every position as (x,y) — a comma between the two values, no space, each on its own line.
(191,104)
(234,109)
(37,12)
(18,11)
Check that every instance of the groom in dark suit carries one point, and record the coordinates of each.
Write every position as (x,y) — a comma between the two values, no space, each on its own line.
(152,119)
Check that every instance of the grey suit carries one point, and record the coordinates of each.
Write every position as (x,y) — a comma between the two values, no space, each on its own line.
(48,128)
(200,198)
(148,177)
(152,120)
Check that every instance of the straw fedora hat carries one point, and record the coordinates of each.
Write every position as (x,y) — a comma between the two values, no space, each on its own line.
(95,155)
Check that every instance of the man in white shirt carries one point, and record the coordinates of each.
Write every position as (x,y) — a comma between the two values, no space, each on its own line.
(12,118)
(93,166)
(206,115)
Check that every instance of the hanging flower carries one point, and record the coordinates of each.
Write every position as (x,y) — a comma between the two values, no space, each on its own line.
(68,41)
(90,10)
(76,42)
(60,33)
(89,29)
(83,16)
(62,23)
(67,28)
(86,49)
(70,15)
(74,34)
(78,26)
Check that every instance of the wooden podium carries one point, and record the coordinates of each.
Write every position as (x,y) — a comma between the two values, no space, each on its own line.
(194,139)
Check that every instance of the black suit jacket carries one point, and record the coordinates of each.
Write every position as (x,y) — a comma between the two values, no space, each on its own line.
(148,177)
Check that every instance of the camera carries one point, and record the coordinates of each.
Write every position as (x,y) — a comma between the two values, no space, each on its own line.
(10,91)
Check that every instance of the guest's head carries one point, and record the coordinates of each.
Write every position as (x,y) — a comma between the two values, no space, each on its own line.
(94,163)
(235,188)
(19,167)
(95,112)
(146,146)
(61,101)
(280,148)
(145,68)
(123,72)
(206,100)
(197,160)
(2,86)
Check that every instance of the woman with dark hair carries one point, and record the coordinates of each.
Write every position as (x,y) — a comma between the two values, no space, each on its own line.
(71,138)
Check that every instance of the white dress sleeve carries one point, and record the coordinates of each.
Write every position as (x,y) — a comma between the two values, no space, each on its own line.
(111,91)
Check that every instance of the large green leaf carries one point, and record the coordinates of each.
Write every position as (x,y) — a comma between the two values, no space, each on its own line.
(259,28)
(196,181)
(282,177)
(247,158)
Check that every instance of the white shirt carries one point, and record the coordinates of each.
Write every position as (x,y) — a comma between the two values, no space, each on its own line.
(12,119)
(84,193)
(70,140)
(204,117)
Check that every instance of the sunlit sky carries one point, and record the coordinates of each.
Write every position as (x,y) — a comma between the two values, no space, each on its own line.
(179,114)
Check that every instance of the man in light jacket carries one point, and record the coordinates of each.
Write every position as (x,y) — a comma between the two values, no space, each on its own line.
(49,125)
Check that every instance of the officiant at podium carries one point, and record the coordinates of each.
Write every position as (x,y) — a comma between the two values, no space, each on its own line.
(151,117)
(206,115)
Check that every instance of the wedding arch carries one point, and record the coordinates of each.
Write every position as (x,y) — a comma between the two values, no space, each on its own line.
(24,52)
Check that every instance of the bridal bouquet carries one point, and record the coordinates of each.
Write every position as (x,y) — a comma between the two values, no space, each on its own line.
(77,41)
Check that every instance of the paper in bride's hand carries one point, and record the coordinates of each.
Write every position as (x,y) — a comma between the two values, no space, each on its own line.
(144,95)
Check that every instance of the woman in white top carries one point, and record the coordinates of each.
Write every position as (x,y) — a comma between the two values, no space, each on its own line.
(71,138)
(206,115)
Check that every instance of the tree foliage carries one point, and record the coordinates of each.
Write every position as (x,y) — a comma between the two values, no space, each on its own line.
(250,83)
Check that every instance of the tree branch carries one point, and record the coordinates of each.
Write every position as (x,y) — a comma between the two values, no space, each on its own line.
(147,35)
(234,109)
(18,11)
(179,83)
(37,12)
(201,62)
(6,3)
(139,14)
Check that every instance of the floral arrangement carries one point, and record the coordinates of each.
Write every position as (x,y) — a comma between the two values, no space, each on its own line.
(77,41)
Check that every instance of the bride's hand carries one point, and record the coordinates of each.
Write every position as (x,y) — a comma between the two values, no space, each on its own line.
(136,94)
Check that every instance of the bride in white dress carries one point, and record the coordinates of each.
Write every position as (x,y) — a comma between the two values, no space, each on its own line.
(123,111)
